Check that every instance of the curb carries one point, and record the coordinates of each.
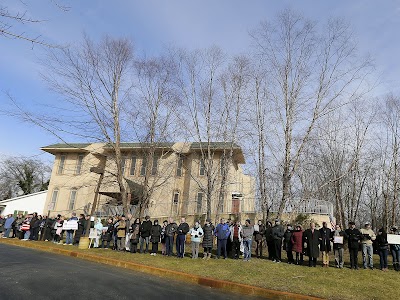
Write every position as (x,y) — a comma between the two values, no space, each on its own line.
(204,281)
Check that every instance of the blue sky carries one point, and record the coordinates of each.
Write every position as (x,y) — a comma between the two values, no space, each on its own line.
(154,25)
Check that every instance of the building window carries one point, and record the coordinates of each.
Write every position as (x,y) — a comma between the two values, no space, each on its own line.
(199,202)
(176,198)
(180,166)
(72,199)
(144,167)
(123,164)
(133,166)
(62,164)
(79,163)
(54,197)
(202,167)
(154,166)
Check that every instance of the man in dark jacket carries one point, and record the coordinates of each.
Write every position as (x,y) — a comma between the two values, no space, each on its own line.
(145,231)
(170,231)
(287,243)
(325,245)
(277,234)
(81,228)
(182,230)
(353,236)
(222,232)
(34,227)
(312,239)
(270,241)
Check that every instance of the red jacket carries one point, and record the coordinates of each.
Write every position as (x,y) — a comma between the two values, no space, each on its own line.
(297,241)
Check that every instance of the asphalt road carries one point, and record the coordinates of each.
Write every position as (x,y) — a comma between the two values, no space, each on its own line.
(31,274)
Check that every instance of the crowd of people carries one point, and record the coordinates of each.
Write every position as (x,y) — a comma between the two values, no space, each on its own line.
(231,237)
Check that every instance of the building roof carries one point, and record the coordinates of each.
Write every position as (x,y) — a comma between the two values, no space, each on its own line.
(65,147)
(21,197)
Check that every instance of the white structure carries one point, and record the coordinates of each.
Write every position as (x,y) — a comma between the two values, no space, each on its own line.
(24,204)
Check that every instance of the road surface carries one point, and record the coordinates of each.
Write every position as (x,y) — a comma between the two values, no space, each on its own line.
(32,274)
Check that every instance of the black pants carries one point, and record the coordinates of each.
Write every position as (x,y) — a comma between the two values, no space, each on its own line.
(133,247)
(299,258)
(277,249)
(235,247)
(290,256)
(353,258)
(271,249)
(154,247)
(259,248)
(107,243)
(229,246)
(312,262)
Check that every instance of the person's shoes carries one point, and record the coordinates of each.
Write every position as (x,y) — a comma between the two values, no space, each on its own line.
(274,260)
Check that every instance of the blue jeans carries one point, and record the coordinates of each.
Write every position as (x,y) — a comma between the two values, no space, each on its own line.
(27,234)
(221,246)
(169,245)
(69,237)
(180,245)
(7,233)
(144,240)
(383,258)
(367,252)
(396,256)
(247,249)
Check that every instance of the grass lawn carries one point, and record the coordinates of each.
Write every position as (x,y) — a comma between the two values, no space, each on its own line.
(329,283)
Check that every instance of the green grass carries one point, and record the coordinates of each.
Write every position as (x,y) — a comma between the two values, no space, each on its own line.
(329,283)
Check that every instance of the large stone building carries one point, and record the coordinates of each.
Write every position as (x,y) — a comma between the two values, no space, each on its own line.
(177,177)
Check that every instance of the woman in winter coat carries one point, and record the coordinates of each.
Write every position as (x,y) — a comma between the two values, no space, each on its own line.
(59,225)
(269,238)
(99,228)
(287,243)
(163,228)
(297,244)
(155,236)
(383,249)
(135,235)
(107,234)
(196,233)
(208,236)
(259,232)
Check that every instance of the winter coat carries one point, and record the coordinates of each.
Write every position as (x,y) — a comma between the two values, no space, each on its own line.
(183,229)
(171,229)
(353,237)
(312,240)
(367,236)
(208,235)
(247,232)
(222,231)
(277,232)
(381,241)
(135,233)
(325,244)
(8,223)
(81,228)
(297,241)
(145,229)
(155,233)
(196,234)
(258,235)
(107,236)
(287,241)
(268,234)
(121,229)
(240,235)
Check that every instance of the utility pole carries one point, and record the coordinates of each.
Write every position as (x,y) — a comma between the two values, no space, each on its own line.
(96,195)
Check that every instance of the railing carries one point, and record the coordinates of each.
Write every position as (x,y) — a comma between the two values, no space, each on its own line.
(305,206)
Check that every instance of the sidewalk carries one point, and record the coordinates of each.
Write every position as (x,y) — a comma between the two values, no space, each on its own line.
(205,281)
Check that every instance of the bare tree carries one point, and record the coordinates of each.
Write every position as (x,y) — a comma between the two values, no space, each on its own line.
(310,73)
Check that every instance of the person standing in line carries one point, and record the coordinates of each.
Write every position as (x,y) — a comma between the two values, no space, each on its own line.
(236,239)
(134,235)
(383,249)
(34,227)
(121,233)
(170,231)
(395,250)
(353,236)
(269,240)
(222,233)
(338,249)
(259,232)
(128,221)
(59,226)
(182,230)
(367,238)
(196,233)
(312,239)
(325,245)
(163,228)
(287,243)
(107,234)
(297,244)
(277,234)
(155,236)
(208,237)
(81,228)
(247,232)
(8,225)
(145,231)
(98,227)
(70,232)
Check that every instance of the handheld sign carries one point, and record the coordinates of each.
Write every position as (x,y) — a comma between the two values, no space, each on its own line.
(393,239)
(338,240)
(92,233)
(70,225)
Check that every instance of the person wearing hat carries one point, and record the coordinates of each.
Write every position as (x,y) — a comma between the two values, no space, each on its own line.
(145,231)
(247,232)
(367,236)
(353,236)
(208,236)
(395,250)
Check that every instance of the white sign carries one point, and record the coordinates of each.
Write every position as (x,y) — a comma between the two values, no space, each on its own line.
(338,240)
(393,239)
(93,233)
(256,228)
(70,225)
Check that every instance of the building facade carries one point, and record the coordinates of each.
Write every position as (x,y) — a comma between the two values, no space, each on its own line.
(177,177)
